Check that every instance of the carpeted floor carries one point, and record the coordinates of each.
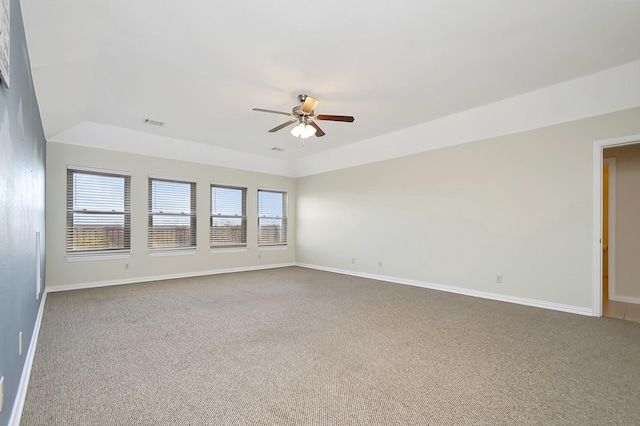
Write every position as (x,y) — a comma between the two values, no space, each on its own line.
(295,346)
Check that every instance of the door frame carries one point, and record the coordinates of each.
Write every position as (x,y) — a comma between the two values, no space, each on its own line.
(598,161)
(612,225)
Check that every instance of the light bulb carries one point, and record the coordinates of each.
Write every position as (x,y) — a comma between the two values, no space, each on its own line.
(308,131)
(297,131)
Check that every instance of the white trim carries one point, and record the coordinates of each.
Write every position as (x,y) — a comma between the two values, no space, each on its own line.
(97,170)
(459,290)
(597,230)
(598,148)
(51,289)
(21,395)
(612,226)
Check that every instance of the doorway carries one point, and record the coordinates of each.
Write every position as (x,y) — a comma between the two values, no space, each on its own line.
(607,301)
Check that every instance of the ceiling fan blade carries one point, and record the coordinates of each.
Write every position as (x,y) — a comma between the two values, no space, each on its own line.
(319,132)
(283,125)
(273,112)
(309,104)
(346,118)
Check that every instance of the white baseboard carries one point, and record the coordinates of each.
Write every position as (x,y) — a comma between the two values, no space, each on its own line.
(625,299)
(135,280)
(460,290)
(21,395)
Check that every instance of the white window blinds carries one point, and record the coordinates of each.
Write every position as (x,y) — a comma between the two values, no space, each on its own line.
(98,212)
(228,226)
(272,217)
(172,214)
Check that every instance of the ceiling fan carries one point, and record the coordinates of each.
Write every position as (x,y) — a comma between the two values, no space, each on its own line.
(304,115)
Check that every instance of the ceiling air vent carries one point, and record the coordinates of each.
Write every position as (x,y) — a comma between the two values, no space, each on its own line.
(154,122)
(277,149)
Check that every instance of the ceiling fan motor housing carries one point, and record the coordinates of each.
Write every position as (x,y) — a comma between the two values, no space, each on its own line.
(297,110)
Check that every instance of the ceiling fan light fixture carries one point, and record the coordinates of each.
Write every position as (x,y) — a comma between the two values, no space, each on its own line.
(305,118)
(303,130)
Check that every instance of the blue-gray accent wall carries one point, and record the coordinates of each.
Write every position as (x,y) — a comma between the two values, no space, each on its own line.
(22,212)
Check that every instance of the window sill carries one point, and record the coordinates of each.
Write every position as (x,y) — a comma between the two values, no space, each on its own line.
(274,247)
(228,250)
(83,257)
(172,252)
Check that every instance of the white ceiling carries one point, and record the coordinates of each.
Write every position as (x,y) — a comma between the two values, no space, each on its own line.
(102,66)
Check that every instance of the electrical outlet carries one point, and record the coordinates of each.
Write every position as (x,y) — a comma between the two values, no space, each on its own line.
(259,256)
(126,266)
(499,279)
(380,264)
(353,260)
(1,392)
(20,343)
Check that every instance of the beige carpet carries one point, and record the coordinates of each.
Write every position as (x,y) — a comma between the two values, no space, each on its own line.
(295,346)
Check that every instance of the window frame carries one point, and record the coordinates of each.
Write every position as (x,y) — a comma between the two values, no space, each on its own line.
(192,215)
(243,216)
(71,189)
(284,218)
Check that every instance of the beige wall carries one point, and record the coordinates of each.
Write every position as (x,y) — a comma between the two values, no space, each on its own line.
(519,205)
(61,272)
(627,223)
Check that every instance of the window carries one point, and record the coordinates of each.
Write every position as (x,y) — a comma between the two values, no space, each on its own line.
(272,218)
(228,226)
(172,214)
(98,212)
